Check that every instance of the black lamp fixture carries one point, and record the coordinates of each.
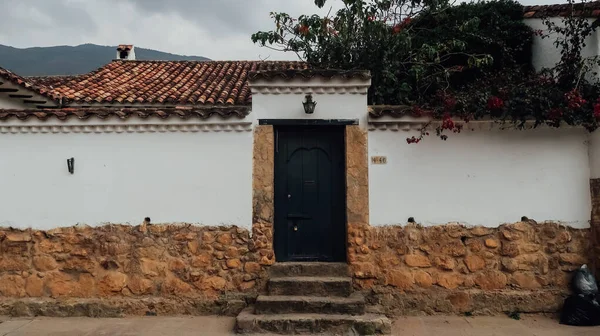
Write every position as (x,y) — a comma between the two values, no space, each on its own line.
(309,104)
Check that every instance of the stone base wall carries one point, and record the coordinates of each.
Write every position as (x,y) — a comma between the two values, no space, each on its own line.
(411,269)
(117,270)
(190,269)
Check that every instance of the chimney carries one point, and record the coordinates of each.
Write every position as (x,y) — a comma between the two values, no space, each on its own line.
(126,52)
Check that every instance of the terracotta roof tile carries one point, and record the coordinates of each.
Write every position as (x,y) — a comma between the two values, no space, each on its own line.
(224,112)
(163,82)
(588,9)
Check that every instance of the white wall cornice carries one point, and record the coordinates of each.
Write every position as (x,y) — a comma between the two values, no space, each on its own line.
(315,85)
(148,127)
(412,124)
(396,124)
(309,89)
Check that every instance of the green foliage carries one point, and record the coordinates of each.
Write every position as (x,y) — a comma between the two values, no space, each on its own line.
(469,61)
(413,49)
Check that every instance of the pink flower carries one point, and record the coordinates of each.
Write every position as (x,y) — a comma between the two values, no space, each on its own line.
(555,113)
(597,109)
(303,29)
(495,103)
(574,99)
(447,122)
(400,26)
(412,140)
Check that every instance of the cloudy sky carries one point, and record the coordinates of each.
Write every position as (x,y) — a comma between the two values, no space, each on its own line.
(217,29)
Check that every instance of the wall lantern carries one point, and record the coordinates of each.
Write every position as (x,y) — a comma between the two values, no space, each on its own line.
(309,104)
(71,165)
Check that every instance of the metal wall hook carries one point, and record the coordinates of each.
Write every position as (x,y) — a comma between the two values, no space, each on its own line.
(71,165)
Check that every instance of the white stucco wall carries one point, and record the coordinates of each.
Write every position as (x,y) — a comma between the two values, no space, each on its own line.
(200,177)
(481,177)
(546,55)
(9,103)
(336,99)
(6,102)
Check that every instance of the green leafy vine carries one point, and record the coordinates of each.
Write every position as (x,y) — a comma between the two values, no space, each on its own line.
(454,63)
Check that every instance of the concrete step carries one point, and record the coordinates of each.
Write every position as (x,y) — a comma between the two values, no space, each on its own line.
(284,304)
(311,286)
(368,324)
(308,269)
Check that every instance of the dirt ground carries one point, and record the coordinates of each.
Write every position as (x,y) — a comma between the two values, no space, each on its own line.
(528,325)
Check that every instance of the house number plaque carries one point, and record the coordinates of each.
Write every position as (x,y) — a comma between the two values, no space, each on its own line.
(379,159)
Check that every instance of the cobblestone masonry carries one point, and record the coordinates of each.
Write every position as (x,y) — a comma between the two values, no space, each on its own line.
(263,193)
(191,269)
(186,269)
(357,177)
(522,266)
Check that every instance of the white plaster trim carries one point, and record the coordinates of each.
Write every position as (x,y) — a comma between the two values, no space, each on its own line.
(127,128)
(412,124)
(309,89)
(397,124)
(316,85)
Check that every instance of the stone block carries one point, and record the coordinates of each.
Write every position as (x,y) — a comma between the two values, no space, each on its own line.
(111,283)
(417,260)
(12,286)
(449,280)
(402,279)
(490,280)
(474,263)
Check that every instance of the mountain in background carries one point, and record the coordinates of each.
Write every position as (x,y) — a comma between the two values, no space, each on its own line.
(67,60)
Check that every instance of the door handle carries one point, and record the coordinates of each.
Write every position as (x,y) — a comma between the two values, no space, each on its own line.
(295,218)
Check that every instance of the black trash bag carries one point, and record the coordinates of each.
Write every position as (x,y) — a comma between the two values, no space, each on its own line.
(581,310)
(584,282)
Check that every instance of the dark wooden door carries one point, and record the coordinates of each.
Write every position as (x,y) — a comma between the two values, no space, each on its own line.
(310,194)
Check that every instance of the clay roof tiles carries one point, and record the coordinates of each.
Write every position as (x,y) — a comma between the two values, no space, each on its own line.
(163,82)
(588,9)
(224,112)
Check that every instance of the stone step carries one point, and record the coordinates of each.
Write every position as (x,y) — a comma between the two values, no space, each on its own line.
(311,286)
(284,304)
(368,324)
(312,334)
(308,269)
